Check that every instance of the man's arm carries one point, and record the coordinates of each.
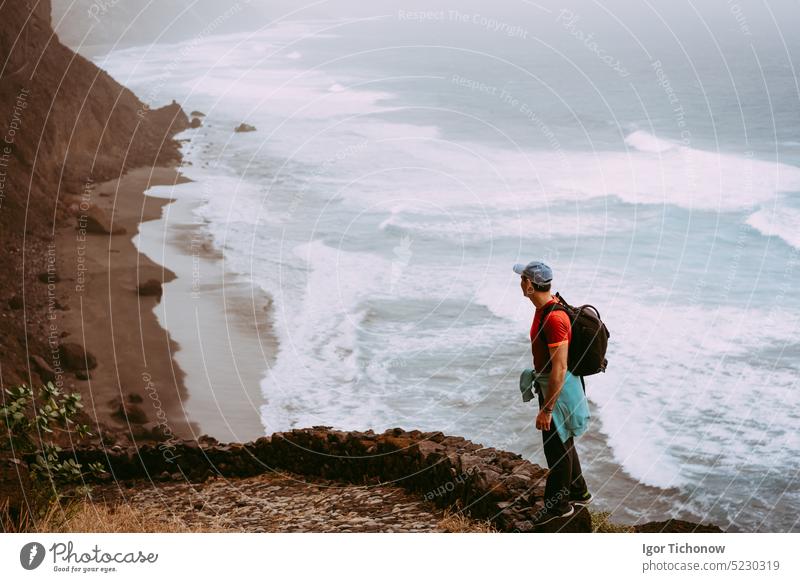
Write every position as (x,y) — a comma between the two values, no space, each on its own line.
(558,370)
(558,361)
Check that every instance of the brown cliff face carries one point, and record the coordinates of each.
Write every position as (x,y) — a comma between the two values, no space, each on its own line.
(64,124)
(43,10)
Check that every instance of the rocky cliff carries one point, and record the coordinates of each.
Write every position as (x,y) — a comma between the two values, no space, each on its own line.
(64,125)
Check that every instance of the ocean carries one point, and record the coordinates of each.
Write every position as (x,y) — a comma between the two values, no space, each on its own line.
(402,164)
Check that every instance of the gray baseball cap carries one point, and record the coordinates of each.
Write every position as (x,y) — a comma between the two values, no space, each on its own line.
(536,271)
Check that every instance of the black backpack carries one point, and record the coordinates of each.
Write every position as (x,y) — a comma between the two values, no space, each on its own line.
(587,349)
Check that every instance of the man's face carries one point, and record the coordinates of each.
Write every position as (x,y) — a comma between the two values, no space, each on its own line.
(526,285)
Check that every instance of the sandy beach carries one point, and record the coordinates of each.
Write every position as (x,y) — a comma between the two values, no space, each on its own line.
(150,348)
(107,315)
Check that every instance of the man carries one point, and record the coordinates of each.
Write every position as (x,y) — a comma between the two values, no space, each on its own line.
(563,409)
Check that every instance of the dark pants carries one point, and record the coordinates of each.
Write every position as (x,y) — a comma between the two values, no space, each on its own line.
(565,477)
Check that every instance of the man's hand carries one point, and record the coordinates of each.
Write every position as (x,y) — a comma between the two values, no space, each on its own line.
(543,420)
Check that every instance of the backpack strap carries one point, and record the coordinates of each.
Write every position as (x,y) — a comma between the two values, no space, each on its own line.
(545,312)
(557,306)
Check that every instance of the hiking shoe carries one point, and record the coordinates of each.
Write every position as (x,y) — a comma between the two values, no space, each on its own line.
(547,515)
(581,499)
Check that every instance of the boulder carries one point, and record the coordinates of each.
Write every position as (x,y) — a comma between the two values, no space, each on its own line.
(150,288)
(197,113)
(97,222)
(134,398)
(149,431)
(195,123)
(208,440)
(45,277)
(244,128)
(75,357)
(128,412)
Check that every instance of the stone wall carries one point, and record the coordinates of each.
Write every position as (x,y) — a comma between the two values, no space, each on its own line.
(448,471)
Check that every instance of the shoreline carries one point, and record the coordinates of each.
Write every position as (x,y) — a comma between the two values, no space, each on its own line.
(151,349)
(220,321)
(136,388)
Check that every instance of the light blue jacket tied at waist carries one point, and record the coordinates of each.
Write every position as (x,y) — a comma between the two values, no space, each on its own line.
(571,412)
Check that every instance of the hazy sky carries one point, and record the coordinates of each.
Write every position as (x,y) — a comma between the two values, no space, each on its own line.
(651,21)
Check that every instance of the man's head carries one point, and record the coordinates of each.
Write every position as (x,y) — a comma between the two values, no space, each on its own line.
(536,277)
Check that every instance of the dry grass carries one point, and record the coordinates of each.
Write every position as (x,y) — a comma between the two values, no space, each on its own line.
(84,517)
(454,521)
(8,522)
(87,517)
(601,524)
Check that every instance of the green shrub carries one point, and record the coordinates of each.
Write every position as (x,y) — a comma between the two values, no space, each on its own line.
(31,423)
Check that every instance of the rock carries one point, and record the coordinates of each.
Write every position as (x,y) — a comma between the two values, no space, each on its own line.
(82,375)
(205,439)
(129,413)
(135,398)
(15,302)
(491,484)
(196,113)
(428,450)
(97,222)
(145,431)
(45,277)
(75,357)
(150,288)
(41,367)
(195,123)
(244,128)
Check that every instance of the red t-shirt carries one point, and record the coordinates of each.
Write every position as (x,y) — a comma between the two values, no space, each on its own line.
(557,330)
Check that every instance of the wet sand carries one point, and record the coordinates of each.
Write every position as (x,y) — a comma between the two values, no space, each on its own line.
(221,322)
